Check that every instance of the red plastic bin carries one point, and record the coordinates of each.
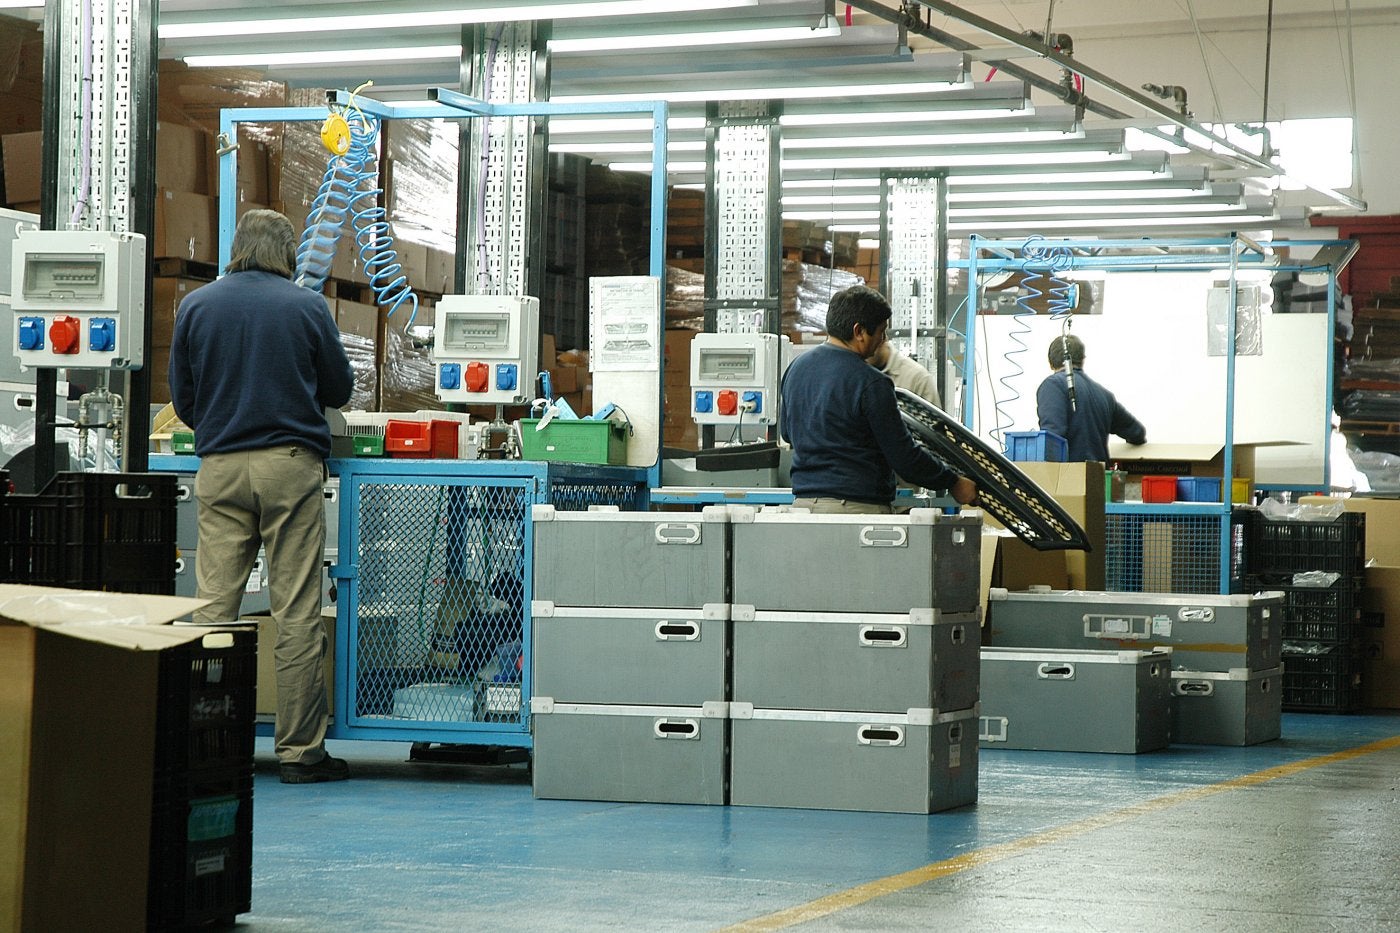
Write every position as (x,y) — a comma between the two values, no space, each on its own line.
(431,439)
(1159,489)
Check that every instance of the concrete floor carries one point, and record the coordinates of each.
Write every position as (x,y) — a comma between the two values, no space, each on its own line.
(1299,834)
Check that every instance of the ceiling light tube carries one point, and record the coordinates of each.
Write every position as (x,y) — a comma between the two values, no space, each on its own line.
(175,26)
(759,93)
(826,28)
(571,126)
(326,57)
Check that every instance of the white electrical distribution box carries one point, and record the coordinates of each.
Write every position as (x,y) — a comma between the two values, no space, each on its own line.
(734,378)
(79,298)
(486,348)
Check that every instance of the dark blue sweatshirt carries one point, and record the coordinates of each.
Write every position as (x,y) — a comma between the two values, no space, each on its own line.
(1096,414)
(848,441)
(254,361)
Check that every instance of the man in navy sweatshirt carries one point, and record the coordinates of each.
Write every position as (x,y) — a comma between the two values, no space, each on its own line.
(839,414)
(254,362)
(1080,410)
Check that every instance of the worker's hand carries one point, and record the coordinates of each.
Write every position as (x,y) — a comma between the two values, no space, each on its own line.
(964,491)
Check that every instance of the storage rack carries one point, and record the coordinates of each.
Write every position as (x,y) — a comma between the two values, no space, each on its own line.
(1198,540)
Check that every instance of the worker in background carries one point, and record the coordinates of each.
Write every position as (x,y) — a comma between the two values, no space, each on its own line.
(905,373)
(839,414)
(254,362)
(1080,410)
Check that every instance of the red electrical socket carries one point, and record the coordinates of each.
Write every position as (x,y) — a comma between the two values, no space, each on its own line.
(728,402)
(65,333)
(477,376)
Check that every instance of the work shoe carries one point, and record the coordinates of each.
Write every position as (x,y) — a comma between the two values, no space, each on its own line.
(327,769)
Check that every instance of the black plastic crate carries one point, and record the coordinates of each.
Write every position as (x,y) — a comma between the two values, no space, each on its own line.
(1330,614)
(206,716)
(1322,678)
(1286,547)
(201,866)
(93,531)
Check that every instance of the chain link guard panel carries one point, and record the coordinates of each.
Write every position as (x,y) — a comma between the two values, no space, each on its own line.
(1007,494)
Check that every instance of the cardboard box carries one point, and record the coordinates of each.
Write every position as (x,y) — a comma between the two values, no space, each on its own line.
(1184,459)
(352,317)
(414,259)
(252,177)
(78,698)
(1380,680)
(167,293)
(186,227)
(22,153)
(1382,525)
(440,269)
(266,699)
(182,158)
(1079,488)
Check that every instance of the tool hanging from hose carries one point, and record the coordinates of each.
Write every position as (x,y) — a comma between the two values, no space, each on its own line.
(350,189)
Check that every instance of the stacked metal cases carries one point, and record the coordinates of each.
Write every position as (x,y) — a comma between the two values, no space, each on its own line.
(1236,636)
(1076,701)
(855,660)
(630,630)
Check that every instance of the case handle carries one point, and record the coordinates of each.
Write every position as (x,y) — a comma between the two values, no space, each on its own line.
(1193,688)
(677,631)
(883,536)
(887,736)
(986,725)
(1055,670)
(677,533)
(883,636)
(676,728)
(184,492)
(958,634)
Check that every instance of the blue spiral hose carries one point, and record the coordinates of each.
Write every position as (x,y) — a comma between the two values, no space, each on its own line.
(350,187)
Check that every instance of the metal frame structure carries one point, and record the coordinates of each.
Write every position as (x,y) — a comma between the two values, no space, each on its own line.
(563,485)
(987,256)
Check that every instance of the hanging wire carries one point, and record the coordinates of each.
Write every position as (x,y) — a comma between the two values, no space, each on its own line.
(1351,101)
(1205,62)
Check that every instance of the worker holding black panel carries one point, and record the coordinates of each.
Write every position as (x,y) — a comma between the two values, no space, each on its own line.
(1080,410)
(839,414)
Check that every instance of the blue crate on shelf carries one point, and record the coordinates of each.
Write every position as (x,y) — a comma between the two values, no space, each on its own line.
(1036,447)
(1198,489)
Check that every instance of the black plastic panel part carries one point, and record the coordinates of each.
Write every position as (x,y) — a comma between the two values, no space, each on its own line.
(1007,494)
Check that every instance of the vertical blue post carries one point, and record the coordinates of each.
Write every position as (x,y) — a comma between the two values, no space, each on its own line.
(1327,397)
(1227,478)
(228,184)
(969,369)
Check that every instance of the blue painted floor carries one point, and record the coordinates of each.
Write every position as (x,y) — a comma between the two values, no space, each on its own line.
(427,847)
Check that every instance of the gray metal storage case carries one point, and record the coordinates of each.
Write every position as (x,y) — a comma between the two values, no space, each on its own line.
(1238,707)
(634,754)
(1076,701)
(922,659)
(649,657)
(1205,633)
(788,561)
(920,761)
(604,557)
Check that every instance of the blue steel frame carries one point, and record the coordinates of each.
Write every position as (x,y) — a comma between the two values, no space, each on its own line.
(448,104)
(1179,255)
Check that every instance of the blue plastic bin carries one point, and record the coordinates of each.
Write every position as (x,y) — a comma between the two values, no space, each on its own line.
(1036,446)
(1198,489)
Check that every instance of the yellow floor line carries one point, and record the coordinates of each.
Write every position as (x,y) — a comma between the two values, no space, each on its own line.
(866,892)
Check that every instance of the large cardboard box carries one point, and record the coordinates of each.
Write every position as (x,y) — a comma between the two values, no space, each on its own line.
(353,317)
(186,227)
(1382,524)
(79,673)
(1079,488)
(266,698)
(182,158)
(22,154)
(1380,681)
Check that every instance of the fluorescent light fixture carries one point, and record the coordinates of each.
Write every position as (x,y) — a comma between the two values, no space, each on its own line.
(1215,220)
(925,139)
(952,159)
(828,183)
(901,116)
(1052,178)
(867,243)
(566,126)
(834,216)
(672,168)
(797,92)
(175,26)
(20,4)
(420,53)
(798,200)
(826,29)
(1098,210)
(697,145)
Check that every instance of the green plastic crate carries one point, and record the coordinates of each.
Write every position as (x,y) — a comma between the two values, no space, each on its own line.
(580,441)
(369,445)
(182,442)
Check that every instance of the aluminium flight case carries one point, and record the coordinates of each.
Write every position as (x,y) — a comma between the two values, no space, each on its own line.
(1236,707)
(884,662)
(606,557)
(1050,699)
(630,754)
(1205,632)
(918,761)
(797,561)
(653,657)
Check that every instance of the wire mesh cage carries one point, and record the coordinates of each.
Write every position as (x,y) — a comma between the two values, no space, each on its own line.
(1151,551)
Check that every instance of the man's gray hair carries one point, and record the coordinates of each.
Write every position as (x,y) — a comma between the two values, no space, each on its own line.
(266,241)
